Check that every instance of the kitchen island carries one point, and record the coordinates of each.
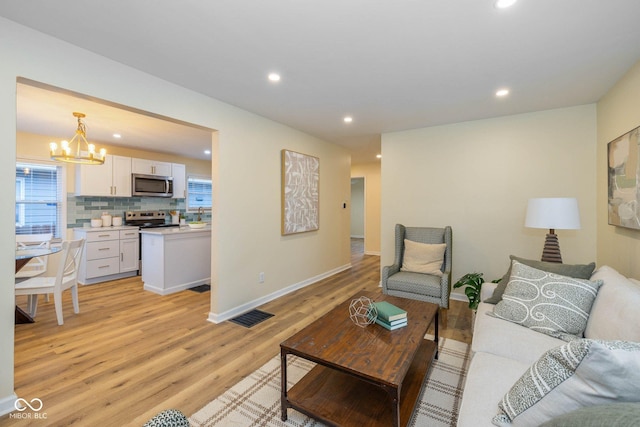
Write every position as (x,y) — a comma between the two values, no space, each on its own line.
(175,259)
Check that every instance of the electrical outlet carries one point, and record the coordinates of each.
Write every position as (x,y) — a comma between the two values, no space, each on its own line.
(261,277)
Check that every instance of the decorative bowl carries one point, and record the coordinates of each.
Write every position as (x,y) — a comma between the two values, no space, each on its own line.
(197,224)
(95,223)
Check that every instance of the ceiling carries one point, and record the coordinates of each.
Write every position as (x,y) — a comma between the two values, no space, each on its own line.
(49,111)
(391,65)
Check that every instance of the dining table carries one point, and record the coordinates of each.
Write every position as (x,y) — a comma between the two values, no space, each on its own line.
(23,256)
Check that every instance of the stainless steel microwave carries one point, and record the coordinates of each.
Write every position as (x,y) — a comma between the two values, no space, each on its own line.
(151,185)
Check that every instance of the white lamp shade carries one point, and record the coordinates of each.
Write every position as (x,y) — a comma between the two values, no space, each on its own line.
(559,213)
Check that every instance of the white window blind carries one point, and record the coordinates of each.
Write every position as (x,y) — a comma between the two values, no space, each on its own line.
(39,199)
(198,193)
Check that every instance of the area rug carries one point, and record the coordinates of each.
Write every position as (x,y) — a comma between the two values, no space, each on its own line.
(255,401)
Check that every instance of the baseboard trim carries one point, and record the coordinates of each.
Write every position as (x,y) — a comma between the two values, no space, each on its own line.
(375,253)
(458,297)
(7,404)
(229,314)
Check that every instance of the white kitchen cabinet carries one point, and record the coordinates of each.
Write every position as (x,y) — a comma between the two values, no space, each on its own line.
(150,167)
(109,253)
(179,174)
(113,178)
(129,250)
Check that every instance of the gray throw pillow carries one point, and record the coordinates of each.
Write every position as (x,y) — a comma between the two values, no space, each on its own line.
(579,271)
(614,415)
(577,374)
(549,303)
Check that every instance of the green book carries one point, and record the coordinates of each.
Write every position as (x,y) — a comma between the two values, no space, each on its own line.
(389,312)
(393,322)
(391,327)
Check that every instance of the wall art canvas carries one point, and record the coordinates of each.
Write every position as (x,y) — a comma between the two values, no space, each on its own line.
(624,180)
(300,192)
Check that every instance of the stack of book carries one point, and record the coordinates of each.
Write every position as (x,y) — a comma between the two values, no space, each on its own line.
(390,316)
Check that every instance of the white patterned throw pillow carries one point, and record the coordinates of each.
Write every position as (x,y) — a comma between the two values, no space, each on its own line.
(546,302)
(580,373)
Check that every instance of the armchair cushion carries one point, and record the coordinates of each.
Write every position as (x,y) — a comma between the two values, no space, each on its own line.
(423,257)
(415,283)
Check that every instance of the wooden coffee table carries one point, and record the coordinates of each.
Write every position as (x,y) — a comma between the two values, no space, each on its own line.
(364,376)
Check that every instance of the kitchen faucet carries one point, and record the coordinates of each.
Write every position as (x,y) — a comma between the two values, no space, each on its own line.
(200,211)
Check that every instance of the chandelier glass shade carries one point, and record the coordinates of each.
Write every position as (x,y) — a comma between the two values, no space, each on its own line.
(78,150)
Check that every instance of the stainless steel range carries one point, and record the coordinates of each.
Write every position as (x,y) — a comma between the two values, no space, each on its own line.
(146,219)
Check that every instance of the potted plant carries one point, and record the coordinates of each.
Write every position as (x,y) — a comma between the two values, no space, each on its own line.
(472,283)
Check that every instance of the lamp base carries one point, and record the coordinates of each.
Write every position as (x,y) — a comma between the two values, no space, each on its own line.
(551,250)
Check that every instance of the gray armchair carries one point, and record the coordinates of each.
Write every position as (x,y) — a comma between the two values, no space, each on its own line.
(419,286)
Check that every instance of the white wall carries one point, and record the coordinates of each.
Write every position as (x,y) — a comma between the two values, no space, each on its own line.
(357,207)
(245,170)
(618,113)
(477,177)
(371,174)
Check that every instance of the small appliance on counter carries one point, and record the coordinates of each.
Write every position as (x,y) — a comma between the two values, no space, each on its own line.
(106,219)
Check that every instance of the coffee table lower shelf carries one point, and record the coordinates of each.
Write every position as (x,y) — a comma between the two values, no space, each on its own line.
(342,399)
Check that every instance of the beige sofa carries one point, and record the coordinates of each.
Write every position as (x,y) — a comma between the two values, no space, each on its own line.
(502,351)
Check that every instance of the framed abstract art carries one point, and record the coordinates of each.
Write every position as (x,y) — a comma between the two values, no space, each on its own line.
(623,158)
(300,193)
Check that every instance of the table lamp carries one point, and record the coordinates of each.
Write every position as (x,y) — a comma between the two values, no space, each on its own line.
(555,214)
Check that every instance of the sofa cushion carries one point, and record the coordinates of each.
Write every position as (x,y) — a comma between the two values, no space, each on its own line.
(549,303)
(580,373)
(579,271)
(489,377)
(614,415)
(423,257)
(507,339)
(615,314)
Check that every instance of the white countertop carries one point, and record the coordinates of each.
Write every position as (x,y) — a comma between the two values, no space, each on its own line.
(175,230)
(101,229)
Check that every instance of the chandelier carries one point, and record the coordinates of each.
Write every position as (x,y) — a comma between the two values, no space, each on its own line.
(83,153)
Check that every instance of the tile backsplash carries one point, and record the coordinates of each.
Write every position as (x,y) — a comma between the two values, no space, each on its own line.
(80,210)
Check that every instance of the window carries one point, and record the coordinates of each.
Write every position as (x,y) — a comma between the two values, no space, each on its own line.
(198,193)
(39,199)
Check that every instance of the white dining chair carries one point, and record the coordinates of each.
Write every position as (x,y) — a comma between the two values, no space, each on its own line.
(37,265)
(66,278)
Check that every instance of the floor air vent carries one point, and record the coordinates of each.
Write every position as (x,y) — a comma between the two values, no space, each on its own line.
(200,289)
(251,318)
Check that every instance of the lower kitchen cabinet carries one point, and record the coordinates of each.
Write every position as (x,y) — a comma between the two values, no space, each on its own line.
(109,253)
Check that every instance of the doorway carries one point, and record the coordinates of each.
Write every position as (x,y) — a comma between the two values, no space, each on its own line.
(357,214)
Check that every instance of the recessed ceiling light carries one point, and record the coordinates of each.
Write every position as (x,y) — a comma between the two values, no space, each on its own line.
(502,93)
(207,152)
(378,156)
(117,135)
(503,4)
(274,77)
(348,119)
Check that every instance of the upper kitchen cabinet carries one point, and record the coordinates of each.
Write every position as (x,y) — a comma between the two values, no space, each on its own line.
(150,167)
(113,178)
(179,174)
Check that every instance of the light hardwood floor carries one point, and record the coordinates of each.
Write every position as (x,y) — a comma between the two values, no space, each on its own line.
(130,354)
